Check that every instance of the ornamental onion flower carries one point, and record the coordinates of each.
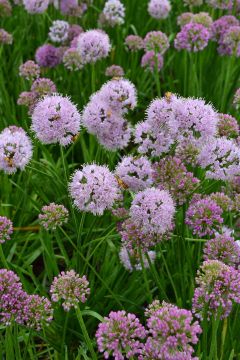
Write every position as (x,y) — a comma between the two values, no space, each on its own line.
(134,42)
(6,229)
(29,70)
(159,9)
(114,71)
(132,260)
(5,37)
(48,56)
(5,8)
(72,59)
(43,86)
(152,61)
(156,41)
(93,45)
(53,215)
(36,6)
(58,31)
(114,12)
(192,37)
(228,126)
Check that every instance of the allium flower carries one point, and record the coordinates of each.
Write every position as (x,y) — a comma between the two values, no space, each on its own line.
(221,25)
(74,31)
(221,159)
(120,94)
(230,42)
(218,287)
(29,70)
(43,86)
(120,336)
(131,259)
(204,216)
(188,150)
(55,119)
(185,18)
(53,215)
(156,41)
(203,18)
(152,210)
(236,99)
(222,200)
(136,173)
(223,248)
(35,6)
(37,311)
(114,12)
(72,7)
(228,126)
(192,37)
(171,333)
(221,4)
(159,9)
(6,229)
(93,45)
(134,42)
(72,59)
(5,8)
(48,56)
(94,189)
(171,174)
(152,61)
(15,149)
(29,99)
(5,37)
(193,2)
(110,128)
(69,288)
(114,71)
(58,32)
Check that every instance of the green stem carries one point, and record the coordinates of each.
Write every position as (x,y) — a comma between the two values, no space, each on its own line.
(224,332)
(85,333)
(149,295)
(3,259)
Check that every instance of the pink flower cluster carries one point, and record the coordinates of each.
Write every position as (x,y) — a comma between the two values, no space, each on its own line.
(53,215)
(6,229)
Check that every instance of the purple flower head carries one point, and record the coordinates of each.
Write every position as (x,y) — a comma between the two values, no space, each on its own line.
(69,288)
(37,312)
(229,44)
(152,61)
(35,6)
(203,18)
(74,31)
(53,215)
(156,41)
(152,210)
(114,71)
(6,229)
(114,12)
(192,37)
(228,126)
(132,260)
(159,9)
(43,86)
(220,158)
(171,174)
(222,200)
(94,189)
(48,56)
(15,149)
(29,99)
(72,59)
(221,25)
(5,8)
(223,248)
(93,45)
(55,119)
(29,70)
(185,18)
(134,42)
(193,2)
(136,173)
(120,336)
(58,32)
(5,37)
(72,7)
(218,286)
(236,99)
(221,4)
(188,150)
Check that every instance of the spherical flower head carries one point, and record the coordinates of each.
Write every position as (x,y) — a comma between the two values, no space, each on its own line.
(134,42)
(43,86)
(114,71)
(72,8)
(37,312)
(185,18)
(223,248)
(156,41)
(114,12)
(221,25)
(72,59)
(29,99)
(230,42)
(171,332)
(94,189)
(228,126)
(192,37)
(120,336)
(171,174)
(5,37)
(48,56)
(29,70)
(203,217)
(6,229)
(74,31)
(53,215)
(218,286)
(58,32)
(15,149)
(221,159)
(93,45)
(69,288)
(203,18)
(221,4)
(5,8)
(55,120)
(132,259)
(152,61)
(135,172)
(152,210)
(36,6)
(222,200)
(188,150)
(120,94)
(159,9)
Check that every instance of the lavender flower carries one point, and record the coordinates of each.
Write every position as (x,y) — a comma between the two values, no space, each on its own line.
(136,173)
(58,32)
(192,37)
(159,9)
(6,229)
(228,126)
(15,149)
(35,6)
(55,119)
(72,59)
(120,336)
(29,70)
(48,56)
(152,210)
(204,216)
(134,42)
(5,37)
(94,189)
(152,61)
(43,86)
(156,41)
(53,215)
(114,71)
(93,45)
(218,287)
(70,288)
(5,8)
(114,12)
(223,248)
(131,259)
